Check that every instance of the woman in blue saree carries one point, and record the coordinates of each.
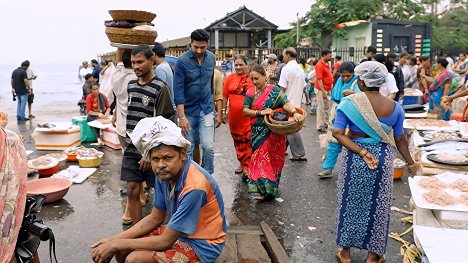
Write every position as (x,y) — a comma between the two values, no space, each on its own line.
(344,86)
(365,182)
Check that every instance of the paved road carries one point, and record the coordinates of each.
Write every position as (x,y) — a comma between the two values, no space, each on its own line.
(304,218)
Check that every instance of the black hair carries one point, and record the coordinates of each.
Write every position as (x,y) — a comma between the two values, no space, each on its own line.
(338,57)
(326,52)
(227,55)
(443,62)
(371,49)
(25,63)
(200,35)
(410,52)
(347,66)
(315,62)
(162,145)
(280,57)
(143,49)
(94,61)
(303,61)
(159,50)
(391,55)
(423,58)
(95,84)
(241,57)
(127,58)
(259,69)
(291,53)
(87,76)
(380,58)
(413,60)
(462,53)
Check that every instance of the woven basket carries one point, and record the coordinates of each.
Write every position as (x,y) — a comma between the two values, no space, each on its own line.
(133,15)
(130,36)
(284,127)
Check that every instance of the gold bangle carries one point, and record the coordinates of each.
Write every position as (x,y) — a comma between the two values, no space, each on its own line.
(363,152)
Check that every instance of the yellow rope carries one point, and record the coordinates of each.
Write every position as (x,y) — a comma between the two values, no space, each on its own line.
(410,253)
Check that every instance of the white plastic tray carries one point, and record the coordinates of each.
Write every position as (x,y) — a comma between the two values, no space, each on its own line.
(447,177)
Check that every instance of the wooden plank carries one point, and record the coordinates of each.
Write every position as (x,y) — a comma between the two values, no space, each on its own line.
(273,246)
(246,229)
(229,253)
(251,250)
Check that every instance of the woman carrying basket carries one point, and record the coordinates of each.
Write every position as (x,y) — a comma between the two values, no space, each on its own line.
(268,148)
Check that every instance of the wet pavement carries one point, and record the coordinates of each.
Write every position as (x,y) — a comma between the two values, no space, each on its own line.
(303,217)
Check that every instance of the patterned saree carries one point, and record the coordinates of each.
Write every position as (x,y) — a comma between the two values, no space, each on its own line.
(268,148)
(364,196)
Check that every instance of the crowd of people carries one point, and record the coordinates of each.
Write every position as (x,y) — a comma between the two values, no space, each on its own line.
(357,107)
(165,115)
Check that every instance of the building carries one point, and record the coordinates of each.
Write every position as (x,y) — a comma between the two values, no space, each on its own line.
(386,35)
(240,29)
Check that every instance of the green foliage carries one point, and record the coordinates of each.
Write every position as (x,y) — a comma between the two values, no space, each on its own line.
(449,31)
(324,14)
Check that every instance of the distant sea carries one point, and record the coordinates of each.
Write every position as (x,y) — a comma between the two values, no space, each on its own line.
(55,85)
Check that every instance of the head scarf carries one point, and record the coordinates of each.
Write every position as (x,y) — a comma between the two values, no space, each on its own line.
(152,132)
(373,73)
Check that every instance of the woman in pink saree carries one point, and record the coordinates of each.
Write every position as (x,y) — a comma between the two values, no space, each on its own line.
(13,177)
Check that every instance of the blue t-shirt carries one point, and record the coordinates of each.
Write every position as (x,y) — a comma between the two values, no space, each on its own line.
(193,83)
(165,73)
(196,209)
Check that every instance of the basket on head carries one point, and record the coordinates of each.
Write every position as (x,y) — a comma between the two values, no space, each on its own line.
(133,15)
(130,36)
(284,127)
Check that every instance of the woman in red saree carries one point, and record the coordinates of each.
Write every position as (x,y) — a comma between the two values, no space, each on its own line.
(269,148)
(235,87)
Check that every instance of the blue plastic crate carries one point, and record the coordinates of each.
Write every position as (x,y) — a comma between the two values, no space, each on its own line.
(408,100)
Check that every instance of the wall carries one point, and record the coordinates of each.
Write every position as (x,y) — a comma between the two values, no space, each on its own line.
(356,36)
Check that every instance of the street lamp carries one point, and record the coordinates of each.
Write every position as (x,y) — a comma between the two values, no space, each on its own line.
(297,30)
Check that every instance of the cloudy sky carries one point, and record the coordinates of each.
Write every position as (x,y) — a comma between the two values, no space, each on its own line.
(62,31)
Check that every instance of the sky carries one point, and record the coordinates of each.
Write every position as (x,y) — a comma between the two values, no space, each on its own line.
(64,31)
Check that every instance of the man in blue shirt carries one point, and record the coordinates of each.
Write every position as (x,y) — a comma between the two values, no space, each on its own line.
(164,70)
(196,231)
(193,95)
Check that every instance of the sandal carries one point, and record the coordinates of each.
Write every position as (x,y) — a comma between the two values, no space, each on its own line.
(326,173)
(340,257)
(239,170)
(382,259)
(126,220)
(299,159)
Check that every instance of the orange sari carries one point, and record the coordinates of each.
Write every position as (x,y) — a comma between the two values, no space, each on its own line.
(235,87)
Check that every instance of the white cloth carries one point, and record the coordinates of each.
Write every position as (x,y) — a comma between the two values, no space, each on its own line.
(30,74)
(450,63)
(152,132)
(105,80)
(372,73)
(120,80)
(85,71)
(389,87)
(293,80)
(406,73)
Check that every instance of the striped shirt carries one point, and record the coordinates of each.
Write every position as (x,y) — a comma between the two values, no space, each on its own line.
(149,100)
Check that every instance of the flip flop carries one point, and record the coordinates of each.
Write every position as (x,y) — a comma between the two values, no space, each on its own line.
(326,173)
(239,170)
(299,159)
(340,257)
(126,220)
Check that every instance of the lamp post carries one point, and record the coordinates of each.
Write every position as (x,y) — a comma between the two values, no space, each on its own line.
(297,29)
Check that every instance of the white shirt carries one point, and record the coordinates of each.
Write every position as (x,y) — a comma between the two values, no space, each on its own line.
(406,73)
(30,74)
(450,63)
(120,80)
(293,80)
(390,86)
(85,71)
(105,81)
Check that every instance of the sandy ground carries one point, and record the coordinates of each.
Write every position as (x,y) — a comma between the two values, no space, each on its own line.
(303,218)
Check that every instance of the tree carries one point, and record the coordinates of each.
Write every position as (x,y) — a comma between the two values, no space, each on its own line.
(324,14)
(449,31)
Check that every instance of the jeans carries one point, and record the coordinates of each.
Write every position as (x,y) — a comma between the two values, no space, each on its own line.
(203,126)
(20,111)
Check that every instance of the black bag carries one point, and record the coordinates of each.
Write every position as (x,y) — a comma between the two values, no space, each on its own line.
(280,116)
